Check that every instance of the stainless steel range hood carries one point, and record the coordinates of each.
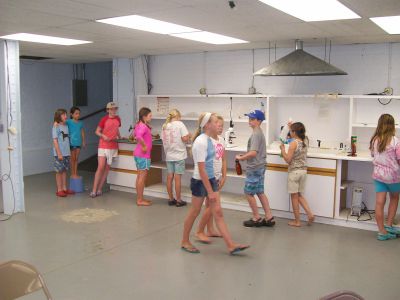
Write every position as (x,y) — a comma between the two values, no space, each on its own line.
(299,63)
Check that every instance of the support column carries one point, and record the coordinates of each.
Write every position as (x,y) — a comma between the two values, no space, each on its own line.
(10,129)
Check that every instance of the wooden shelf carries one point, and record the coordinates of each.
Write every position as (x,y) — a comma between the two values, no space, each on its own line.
(368,125)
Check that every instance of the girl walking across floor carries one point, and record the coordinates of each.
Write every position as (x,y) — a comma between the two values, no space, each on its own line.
(77,139)
(142,133)
(108,132)
(174,137)
(296,157)
(385,152)
(204,185)
(220,168)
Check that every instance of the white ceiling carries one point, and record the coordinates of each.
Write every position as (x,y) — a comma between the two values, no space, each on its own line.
(251,20)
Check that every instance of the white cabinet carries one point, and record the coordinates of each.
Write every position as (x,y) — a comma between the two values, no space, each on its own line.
(320,195)
(276,189)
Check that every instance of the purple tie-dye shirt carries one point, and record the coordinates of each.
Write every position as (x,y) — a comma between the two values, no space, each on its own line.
(387,163)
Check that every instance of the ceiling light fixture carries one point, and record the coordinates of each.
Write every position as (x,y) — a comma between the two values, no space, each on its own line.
(44,39)
(390,24)
(313,10)
(209,37)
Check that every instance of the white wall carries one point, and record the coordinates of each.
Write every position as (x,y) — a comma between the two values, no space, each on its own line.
(45,87)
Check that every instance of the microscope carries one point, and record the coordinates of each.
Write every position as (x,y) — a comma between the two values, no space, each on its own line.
(229,136)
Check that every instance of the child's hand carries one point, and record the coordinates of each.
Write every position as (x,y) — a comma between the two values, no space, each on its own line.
(282,146)
(239,156)
(60,157)
(105,138)
(144,148)
(84,144)
(212,197)
(221,183)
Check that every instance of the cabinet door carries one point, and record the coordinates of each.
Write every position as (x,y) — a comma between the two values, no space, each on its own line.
(320,195)
(276,189)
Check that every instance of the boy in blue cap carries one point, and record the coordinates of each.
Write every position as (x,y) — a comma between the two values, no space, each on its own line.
(256,159)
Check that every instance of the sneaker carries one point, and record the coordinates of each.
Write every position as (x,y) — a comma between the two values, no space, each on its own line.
(268,223)
(61,194)
(172,202)
(393,230)
(69,192)
(92,195)
(385,237)
(252,223)
(181,203)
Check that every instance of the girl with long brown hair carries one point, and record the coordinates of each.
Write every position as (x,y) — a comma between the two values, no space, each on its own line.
(385,152)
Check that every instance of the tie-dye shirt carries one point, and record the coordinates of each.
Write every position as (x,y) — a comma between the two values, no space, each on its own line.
(387,163)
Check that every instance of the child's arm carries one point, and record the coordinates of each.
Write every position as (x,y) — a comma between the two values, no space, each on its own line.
(100,134)
(83,137)
(186,138)
(57,147)
(139,133)
(224,170)
(289,155)
(248,155)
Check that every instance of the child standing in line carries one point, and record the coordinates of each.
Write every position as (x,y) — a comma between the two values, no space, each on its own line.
(108,131)
(77,138)
(142,133)
(256,159)
(204,185)
(220,168)
(385,152)
(61,152)
(296,157)
(175,136)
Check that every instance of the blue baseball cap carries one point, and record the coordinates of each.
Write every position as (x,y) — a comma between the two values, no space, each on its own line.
(256,114)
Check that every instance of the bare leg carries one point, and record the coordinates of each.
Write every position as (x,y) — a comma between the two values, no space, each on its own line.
(211,230)
(296,210)
(223,229)
(253,205)
(394,203)
(77,152)
(207,215)
(101,163)
(306,207)
(59,182)
(193,213)
(72,164)
(178,180)
(104,177)
(379,214)
(140,182)
(170,178)
(265,204)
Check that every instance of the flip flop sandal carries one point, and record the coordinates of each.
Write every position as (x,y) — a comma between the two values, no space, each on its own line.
(192,250)
(238,249)
(144,204)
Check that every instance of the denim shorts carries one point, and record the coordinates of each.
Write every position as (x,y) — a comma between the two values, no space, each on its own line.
(61,165)
(254,183)
(386,187)
(198,189)
(142,163)
(176,167)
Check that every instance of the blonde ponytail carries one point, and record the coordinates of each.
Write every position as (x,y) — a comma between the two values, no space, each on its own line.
(173,114)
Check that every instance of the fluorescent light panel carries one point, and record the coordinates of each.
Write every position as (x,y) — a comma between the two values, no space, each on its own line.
(147,24)
(390,24)
(209,37)
(44,39)
(313,10)
(161,27)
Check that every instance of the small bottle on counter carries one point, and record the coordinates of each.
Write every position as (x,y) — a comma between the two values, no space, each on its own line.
(353,146)
(238,167)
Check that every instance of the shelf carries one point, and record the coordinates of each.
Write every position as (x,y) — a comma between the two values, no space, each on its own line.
(244,120)
(368,125)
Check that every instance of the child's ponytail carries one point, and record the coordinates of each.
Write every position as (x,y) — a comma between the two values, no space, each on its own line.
(300,130)
(173,114)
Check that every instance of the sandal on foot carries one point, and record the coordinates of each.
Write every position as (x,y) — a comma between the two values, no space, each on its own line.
(172,202)
(144,203)
(92,195)
(238,249)
(268,223)
(99,193)
(385,237)
(181,203)
(191,249)
(393,230)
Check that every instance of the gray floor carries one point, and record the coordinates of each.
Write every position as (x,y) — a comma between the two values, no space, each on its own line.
(136,254)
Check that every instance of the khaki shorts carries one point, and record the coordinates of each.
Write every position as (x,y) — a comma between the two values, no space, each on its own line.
(296,181)
(110,154)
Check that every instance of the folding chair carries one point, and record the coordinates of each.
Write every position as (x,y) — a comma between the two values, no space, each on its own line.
(18,278)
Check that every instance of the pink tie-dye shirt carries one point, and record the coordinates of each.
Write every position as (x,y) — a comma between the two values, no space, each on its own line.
(387,163)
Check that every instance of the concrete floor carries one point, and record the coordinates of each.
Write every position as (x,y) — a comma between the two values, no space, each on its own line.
(136,255)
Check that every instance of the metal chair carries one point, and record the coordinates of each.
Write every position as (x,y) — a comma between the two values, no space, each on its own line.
(18,278)
(342,295)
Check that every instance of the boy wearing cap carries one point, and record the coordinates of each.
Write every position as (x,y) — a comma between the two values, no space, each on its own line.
(256,159)
(108,131)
